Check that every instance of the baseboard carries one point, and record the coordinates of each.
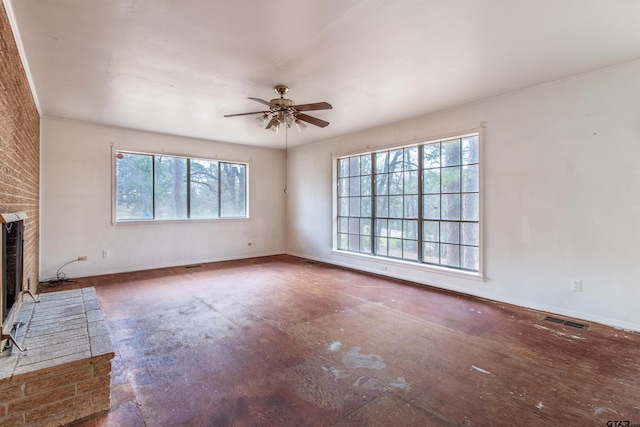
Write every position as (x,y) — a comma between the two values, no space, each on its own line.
(143,267)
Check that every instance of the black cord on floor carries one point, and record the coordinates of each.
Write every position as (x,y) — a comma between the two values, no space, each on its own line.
(59,278)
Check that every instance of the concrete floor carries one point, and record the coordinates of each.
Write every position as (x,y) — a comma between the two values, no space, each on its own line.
(281,341)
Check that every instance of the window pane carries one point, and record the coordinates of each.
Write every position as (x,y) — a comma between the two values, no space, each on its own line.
(382,182)
(354,242)
(204,189)
(450,255)
(233,189)
(470,207)
(411,206)
(411,158)
(343,187)
(354,166)
(134,186)
(365,206)
(395,207)
(354,186)
(381,246)
(410,230)
(354,226)
(343,168)
(451,206)
(431,206)
(354,206)
(365,164)
(396,160)
(431,231)
(382,162)
(170,187)
(410,250)
(470,152)
(365,244)
(395,228)
(431,156)
(451,152)
(365,226)
(451,180)
(431,253)
(396,183)
(365,185)
(411,182)
(382,206)
(343,206)
(431,181)
(382,227)
(470,179)
(395,248)
(470,234)
(343,225)
(470,258)
(343,241)
(450,232)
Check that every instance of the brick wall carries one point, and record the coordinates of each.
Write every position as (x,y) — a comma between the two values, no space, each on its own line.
(57,395)
(19,147)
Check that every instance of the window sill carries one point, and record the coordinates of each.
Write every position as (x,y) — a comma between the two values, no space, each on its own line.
(384,262)
(174,221)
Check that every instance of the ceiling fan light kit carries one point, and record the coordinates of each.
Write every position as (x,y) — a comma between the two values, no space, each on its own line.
(283,112)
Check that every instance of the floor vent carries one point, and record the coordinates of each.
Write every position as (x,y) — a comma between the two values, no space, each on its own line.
(193,266)
(566,322)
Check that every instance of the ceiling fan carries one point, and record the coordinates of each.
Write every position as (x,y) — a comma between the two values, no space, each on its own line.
(285,112)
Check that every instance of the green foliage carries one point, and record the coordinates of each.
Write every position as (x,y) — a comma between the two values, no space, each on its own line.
(215,188)
(134,189)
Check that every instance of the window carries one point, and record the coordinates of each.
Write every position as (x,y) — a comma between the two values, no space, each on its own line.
(419,203)
(160,187)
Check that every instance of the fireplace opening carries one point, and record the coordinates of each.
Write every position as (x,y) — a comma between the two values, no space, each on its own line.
(12,263)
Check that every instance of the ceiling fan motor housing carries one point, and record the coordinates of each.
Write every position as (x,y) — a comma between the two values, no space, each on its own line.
(282,102)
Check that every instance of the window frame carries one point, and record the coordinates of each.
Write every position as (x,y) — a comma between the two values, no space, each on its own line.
(115,221)
(383,261)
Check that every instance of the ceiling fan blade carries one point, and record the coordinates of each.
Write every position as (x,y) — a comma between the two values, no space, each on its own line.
(245,114)
(312,120)
(314,106)
(274,121)
(262,101)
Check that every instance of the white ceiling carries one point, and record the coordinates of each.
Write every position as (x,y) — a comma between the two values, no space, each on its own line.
(178,66)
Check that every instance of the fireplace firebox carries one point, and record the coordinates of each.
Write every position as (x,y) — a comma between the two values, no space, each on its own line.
(11,263)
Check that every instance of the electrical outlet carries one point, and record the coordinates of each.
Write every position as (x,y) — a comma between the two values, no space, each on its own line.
(82,258)
(105,253)
(576,285)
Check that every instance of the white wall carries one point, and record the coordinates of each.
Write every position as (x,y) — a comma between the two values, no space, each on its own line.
(561,196)
(76,176)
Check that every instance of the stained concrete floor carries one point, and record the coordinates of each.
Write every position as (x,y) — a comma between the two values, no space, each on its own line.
(280,341)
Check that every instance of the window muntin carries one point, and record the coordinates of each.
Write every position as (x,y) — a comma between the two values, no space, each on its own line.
(160,187)
(423,203)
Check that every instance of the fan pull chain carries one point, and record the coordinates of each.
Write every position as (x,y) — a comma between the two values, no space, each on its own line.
(286,155)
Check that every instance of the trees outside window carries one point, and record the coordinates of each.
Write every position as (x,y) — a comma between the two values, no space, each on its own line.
(160,187)
(419,203)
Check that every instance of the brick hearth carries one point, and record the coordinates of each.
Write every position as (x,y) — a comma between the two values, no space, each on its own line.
(65,372)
